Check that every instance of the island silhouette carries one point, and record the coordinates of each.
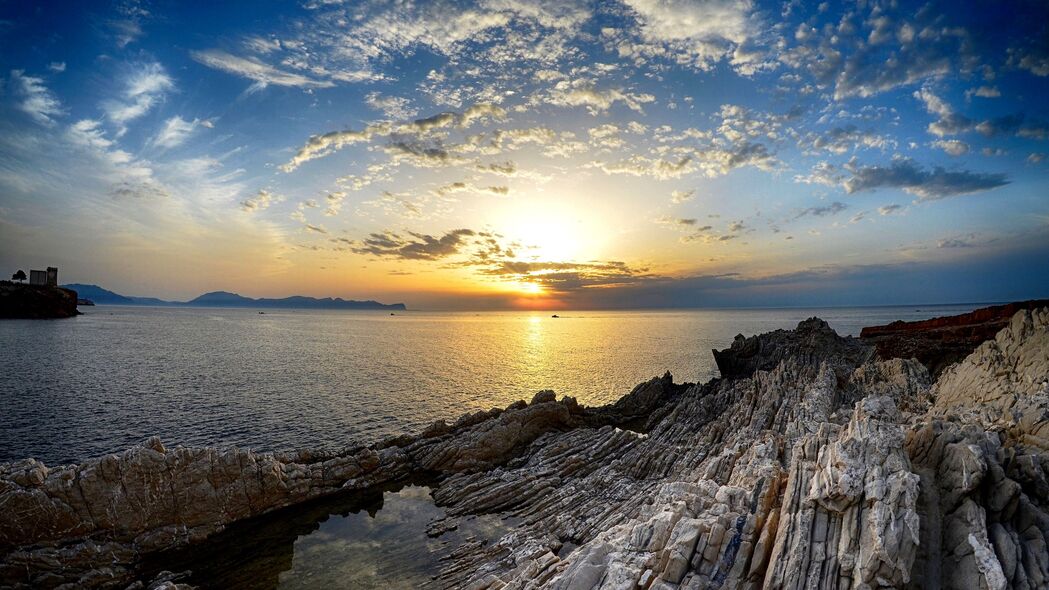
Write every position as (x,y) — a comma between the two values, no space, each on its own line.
(103,296)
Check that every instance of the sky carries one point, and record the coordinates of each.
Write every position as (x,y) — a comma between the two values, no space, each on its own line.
(531,154)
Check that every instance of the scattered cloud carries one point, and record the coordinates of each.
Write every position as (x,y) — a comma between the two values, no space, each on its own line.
(659,169)
(127,26)
(259,201)
(175,131)
(399,205)
(823,210)
(694,34)
(843,140)
(564,277)
(469,187)
(144,87)
(877,48)
(414,246)
(563,95)
(955,243)
(35,99)
(1033,55)
(678,197)
(926,183)
(679,222)
(949,122)
(408,140)
(953,147)
(983,92)
(584,93)
(393,107)
(254,69)
(334,202)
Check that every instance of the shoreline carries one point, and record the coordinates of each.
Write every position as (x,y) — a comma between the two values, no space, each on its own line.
(828,394)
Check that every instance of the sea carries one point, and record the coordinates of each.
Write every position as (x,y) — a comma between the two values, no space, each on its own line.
(99,383)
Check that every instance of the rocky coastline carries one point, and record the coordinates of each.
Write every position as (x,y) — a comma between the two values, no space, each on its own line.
(816,461)
(940,342)
(36,302)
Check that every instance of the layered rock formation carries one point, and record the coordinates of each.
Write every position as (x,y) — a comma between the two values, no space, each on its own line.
(815,464)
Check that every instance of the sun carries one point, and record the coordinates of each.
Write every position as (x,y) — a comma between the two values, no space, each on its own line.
(530,288)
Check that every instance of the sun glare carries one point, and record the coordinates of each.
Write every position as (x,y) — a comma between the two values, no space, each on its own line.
(531,288)
(548,233)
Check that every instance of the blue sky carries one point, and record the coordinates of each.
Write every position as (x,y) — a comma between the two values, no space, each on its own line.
(531,154)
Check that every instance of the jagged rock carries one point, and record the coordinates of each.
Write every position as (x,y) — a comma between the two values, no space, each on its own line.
(980,452)
(150,498)
(814,465)
(812,341)
(1008,374)
(853,492)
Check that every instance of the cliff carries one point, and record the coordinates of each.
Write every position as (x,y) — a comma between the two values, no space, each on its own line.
(20,301)
(819,465)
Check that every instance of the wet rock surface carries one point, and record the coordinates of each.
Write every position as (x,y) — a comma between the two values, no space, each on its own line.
(812,464)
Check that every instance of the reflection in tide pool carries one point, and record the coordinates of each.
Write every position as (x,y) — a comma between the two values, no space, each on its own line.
(387,549)
(375,540)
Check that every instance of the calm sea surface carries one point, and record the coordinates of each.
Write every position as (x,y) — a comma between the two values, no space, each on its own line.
(78,388)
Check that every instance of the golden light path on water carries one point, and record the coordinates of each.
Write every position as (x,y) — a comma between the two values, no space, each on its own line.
(295,378)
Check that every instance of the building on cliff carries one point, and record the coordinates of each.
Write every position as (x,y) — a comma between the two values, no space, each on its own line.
(47,277)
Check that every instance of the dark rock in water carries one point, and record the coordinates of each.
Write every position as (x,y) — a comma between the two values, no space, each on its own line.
(82,301)
(19,301)
(939,342)
(814,465)
(812,341)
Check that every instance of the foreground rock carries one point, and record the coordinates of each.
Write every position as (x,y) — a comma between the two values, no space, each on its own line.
(816,465)
(36,302)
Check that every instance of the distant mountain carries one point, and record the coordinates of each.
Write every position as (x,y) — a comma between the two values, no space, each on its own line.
(152,301)
(222,298)
(226,299)
(99,295)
